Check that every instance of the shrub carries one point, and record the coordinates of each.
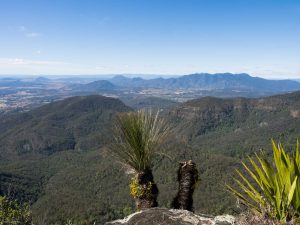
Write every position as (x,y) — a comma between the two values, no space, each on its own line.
(275,190)
(12,213)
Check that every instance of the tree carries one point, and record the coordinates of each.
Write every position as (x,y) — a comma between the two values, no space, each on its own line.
(187,178)
(138,138)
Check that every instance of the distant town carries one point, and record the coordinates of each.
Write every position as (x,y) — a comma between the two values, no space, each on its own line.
(22,94)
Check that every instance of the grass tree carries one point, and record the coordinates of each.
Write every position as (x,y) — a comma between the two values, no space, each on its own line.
(272,189)
(138,138)
(187,178)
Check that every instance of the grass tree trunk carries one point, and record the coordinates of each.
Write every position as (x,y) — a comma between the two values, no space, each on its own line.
(187,178)
(144,190)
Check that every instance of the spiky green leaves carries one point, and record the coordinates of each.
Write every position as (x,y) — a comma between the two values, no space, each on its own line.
(138,137)
(275,190)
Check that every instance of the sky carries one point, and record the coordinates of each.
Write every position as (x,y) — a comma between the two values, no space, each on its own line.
(172,37)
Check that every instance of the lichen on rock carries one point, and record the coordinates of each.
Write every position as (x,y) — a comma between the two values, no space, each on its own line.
(164,216)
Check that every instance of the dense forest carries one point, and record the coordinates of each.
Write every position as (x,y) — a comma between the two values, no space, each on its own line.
(57,157)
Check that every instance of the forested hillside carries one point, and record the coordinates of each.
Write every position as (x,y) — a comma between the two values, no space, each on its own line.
(57,156)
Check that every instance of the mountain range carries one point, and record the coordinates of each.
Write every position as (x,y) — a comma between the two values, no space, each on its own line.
(205,81)
(186,87)
(23,94)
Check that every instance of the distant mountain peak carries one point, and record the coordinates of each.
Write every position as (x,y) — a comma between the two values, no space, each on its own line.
(120,77)
(242,83)
(95,86)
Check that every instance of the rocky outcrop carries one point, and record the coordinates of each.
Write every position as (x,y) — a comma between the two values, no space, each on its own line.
(162,216)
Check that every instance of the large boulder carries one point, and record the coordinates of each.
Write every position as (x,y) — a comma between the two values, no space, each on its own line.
(164,216)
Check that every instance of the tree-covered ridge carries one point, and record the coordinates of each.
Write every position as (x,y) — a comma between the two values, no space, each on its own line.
(77,123)
(82,181)
(238,124)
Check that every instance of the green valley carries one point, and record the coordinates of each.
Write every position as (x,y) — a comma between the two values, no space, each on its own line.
(57,157)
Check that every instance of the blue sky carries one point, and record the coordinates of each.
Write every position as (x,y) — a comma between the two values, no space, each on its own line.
(260,37)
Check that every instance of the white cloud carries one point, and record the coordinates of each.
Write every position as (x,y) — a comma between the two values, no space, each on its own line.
(22,28)
(32,34)
(28,33)
(100,67)
(19,61)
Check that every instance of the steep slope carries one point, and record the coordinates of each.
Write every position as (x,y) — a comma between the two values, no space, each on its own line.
(238,125)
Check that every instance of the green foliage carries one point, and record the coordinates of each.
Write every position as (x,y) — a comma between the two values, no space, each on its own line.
(78,123)
(86,184)
(12,213)
(138,138)
(148,103)
(276,193)
(137,190)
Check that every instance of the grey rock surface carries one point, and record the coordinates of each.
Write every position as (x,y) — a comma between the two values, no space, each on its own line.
(162,216)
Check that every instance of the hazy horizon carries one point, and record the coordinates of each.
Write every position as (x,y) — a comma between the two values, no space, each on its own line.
(128,75)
